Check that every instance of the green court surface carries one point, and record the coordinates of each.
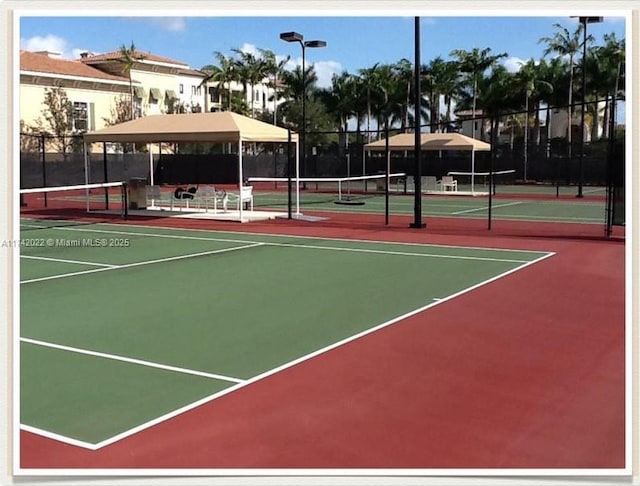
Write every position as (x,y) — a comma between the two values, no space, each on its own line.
(515,203)
(125,325)
(503,208)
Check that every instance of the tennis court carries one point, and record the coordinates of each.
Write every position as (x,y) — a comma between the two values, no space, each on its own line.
(123,327)
(506,207)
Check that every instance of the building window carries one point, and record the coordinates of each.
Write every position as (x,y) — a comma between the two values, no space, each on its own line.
(213,94)
(193,90)
(181,88)
(80,116)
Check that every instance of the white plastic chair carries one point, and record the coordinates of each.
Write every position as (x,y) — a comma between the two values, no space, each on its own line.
(245,196)
(429,183)
(210,198)
(156,197)
(448,183)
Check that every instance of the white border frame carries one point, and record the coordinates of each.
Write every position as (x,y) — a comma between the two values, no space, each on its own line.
(374,7)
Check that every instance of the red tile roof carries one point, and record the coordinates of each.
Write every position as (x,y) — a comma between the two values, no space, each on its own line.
(40,62)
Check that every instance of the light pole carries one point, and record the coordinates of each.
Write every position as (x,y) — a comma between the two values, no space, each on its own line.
(584,21)
(295,37)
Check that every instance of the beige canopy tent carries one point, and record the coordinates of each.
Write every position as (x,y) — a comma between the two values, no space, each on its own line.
(218,127)
(432,141)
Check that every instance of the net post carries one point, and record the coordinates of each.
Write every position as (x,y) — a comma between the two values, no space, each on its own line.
(125,201)
(106,176)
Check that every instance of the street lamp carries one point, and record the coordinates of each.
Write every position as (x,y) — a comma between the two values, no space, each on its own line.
(584,21)
(295,37)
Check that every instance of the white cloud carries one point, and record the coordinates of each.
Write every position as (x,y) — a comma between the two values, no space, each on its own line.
(324,69)
(51,43)
(172,24)
(249,49)
(513,64)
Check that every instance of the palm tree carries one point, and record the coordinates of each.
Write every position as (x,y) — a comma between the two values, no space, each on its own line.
(296,85)
(340,102)
(529,80)
(404,74)
(609,62)
(555,73)
(442,83)
(475,63)
(368,79)
(274,69)
(251,70)
(223,73)
(565,43)
(128,58)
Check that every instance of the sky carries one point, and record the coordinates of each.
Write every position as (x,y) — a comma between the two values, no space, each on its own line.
(353,42)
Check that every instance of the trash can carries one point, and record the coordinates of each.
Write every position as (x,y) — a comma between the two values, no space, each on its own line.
(138,193)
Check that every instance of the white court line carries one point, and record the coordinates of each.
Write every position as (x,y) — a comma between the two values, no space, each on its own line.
(280,235)
(400,253)
(138,264)
(125,359)
(61,260)
(60,438)
(290,364)
(484,208)
(334,248)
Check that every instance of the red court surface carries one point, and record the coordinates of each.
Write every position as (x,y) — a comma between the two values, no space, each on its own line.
(525,372)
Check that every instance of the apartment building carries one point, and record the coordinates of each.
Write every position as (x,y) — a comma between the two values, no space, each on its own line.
(91,91)
(95,82)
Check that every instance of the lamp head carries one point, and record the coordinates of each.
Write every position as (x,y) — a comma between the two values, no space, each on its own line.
(588,20)
(291,37)
(315,43)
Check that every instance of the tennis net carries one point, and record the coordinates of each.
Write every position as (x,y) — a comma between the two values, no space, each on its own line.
(272,191)
(69,201)
(480,180)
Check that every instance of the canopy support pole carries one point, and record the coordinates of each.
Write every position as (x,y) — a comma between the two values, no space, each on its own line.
(240,205)
(151,177)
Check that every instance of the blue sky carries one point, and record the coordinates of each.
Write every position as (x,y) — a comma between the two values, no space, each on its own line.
(353,42)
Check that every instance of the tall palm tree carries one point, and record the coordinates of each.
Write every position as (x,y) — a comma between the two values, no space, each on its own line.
(565,43)
(609,61)
(251,70)
(404,76)
(442,84)
(128,58)
(554,72)
(368,79)
(222,74)
(296,85)
(475,63)
(528,79)
(340,101)
(274,69)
